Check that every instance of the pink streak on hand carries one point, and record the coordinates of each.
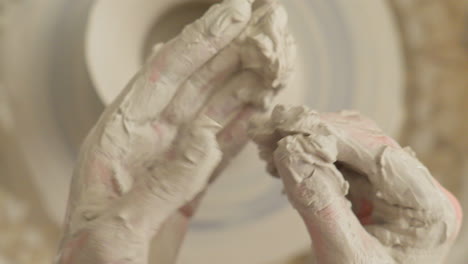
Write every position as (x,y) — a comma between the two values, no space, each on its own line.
(365,212)
(106,176)
(190,208)
(328,224)
(236,130)
(456,206)
(73,247)
(157,65)
(160,130)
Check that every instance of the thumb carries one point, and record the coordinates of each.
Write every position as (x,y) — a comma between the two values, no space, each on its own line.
(317,190)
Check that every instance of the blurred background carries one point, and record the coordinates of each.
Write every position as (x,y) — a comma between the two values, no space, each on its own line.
(402,62)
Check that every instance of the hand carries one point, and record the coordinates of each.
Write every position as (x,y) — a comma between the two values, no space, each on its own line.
(363,198)
(156,147)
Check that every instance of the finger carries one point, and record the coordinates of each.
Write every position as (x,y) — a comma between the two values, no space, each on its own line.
(132,119)
(232,139)
(194,93)
(228,102)
(158,81)
(398,177)
(361,195)
(262,133)
(169,239)
(399,180)
(456,207)
(267,131)
(411,183)
(266,64)
(305,164)
(155,51)
(175,180)
(232,113)
(338,237)
(269,49)
(251,51)
(186,168)
(412,210)
(317,190)
(166,244)
(409,209)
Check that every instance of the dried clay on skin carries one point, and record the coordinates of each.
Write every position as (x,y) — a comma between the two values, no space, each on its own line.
(151,152)
(324,157)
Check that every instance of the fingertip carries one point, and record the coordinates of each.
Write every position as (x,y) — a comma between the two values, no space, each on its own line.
(223,19)
(200,41)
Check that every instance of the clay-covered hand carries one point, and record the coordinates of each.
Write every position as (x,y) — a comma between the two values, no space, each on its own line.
(157,145)
(363,198)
